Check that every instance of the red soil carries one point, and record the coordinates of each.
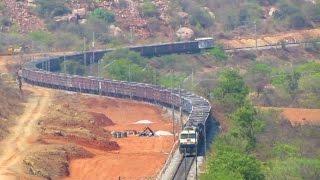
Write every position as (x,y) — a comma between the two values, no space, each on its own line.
(92,143)
(302,116)
(138,157)
(101,119)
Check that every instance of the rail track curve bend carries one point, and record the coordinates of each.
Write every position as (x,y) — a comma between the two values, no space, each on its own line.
(198,109)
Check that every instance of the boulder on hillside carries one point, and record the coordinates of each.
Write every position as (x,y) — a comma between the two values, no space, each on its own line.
(81,13)
(183,15)
(115,31)
(185,33)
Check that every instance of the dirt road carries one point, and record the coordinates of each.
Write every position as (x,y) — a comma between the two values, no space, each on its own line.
(4,61)
(22,134)
(267,39)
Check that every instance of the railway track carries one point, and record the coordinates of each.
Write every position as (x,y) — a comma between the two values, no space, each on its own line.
(184,168)
(272,46)
(43,73)
(197,107)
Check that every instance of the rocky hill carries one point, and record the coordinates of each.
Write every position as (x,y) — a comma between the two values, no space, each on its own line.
(64,24)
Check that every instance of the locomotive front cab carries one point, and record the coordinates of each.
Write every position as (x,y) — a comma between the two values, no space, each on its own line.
(188,141)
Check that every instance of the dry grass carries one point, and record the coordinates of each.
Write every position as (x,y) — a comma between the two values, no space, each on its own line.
(52,160)
(68,124)
(67,119)
(10,107)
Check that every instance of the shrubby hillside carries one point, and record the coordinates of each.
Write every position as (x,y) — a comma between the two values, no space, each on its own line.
(33,24)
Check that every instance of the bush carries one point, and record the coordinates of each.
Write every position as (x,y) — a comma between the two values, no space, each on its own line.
(298,22)
(201,17)
(198,15)
(149,9)
(228,162)
(48,8)
(123,4)
(2,6)
(230,90)
(66,41)
(103,14)
(5,21)
(126,54)
(293,168)
(72,67)
(172,80)
(44,38)
(218,53)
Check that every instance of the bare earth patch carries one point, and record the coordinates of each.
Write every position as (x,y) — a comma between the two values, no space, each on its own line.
(302,116)
(267,39)
(298,116)
(138,157)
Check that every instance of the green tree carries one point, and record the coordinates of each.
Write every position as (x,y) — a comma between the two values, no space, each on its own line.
(103,14)
(172,80)
(258,75)
(72,67)
(123,69)
(149,9)
(231,164)
(246,118)
(310,83)
(292,82)
(126,54)
(218,53)
(298,21)
(48,8)
(42,37)
(230,90)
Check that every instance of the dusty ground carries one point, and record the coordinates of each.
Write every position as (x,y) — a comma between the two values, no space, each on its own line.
(4,61)
(302,116)
(298,35)
(138,157)
(27,149)
(22,135)
(299,116)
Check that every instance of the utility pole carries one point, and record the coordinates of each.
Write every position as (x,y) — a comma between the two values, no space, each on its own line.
(93,44)
(49,69)
(180,98)
(155,78)
(205,140)
(185,163)
(84,52)
(255,35)
(64,63)
(129,73)
(173,123)
(196,140)
(131,35)
(130,79)
(192,80)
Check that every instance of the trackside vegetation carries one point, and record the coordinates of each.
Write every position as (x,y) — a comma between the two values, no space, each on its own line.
(231,157)
(126,65)
(260,144)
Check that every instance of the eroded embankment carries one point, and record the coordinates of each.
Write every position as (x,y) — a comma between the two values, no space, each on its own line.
(69,135)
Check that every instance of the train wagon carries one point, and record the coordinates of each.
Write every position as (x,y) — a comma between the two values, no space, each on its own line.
(197,108)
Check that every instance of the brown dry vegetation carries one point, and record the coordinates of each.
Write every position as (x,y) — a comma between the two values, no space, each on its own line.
(279,130)
(67,120)
(52,160)
(10,106)
(267,39)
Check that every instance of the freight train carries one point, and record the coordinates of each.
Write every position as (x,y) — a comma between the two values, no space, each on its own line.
(196,107)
